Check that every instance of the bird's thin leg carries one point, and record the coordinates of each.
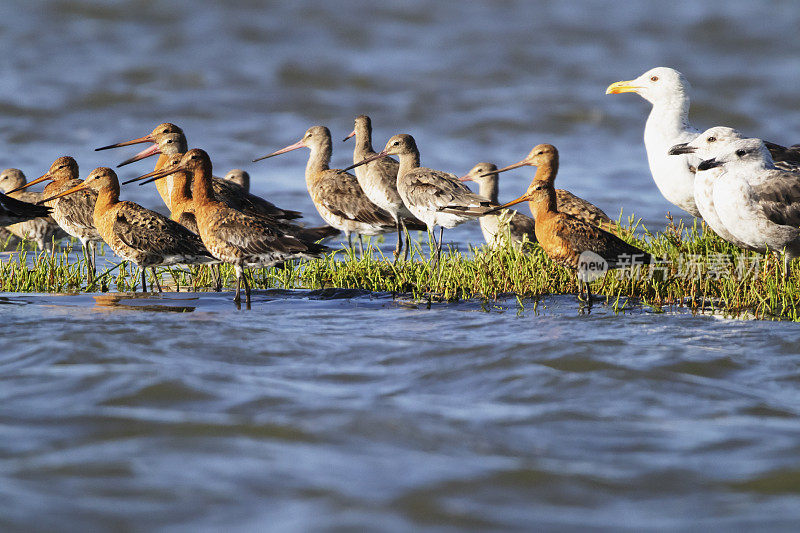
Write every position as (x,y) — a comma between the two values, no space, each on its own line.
(144,280)
(246,289)
(398,248)
(408,239)
(237,297)
(350,241)
(439,247)
(361,245)
(155,278)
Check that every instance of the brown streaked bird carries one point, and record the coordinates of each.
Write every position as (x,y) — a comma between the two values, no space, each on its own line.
(567,202)
(232,236)
(136,234)
(501,227)
(338,197)
(564,237)
(40,230)
(378,179)
(168,139)
(239,177)
(426,191)
(74,213)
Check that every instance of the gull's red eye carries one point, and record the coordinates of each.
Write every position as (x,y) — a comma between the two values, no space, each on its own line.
(654,78)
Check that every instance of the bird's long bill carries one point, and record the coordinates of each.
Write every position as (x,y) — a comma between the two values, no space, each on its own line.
(509,167)
(682,148)
(522,198)
(468,178)
(146,139)
(34,182)
(366,160)
(622,87)
(78,187)
(352,134)
(155,175)
(708,163)
(147,152)
(295,146)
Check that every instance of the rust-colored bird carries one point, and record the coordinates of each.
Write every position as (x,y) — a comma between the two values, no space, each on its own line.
(338,197)
(40,230)
(168,139)
(74,213)
(563,236)
(136,234)
(232,236)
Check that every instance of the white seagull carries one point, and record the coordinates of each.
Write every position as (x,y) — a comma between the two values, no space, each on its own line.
(667,125)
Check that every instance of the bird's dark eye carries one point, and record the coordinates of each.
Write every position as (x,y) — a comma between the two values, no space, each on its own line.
(711,139)
(740,153)
(653,78)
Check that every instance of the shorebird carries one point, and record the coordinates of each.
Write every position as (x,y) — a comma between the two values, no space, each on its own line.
(756,202)
(168,139)
(338,197)
(567,202)
(426,191)
(378,179)
(565,238)
(239,177)
(40,230)
(667,125)
(232,236)
(74,213)
(136,234)
(502,227)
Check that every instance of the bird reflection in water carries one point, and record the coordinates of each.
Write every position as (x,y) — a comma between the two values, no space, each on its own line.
(127,301)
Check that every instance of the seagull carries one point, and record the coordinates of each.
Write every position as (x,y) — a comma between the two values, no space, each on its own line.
(667,125)
(757,202)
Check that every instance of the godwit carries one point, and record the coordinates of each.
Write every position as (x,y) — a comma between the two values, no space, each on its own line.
(168,139)
(378,179)
(565,237)
(39,230)
(239,177)
(338,197)
(232,236)
(136,234)
(74,213)
(502,227)
(667,125)
(425,192)
(756,202)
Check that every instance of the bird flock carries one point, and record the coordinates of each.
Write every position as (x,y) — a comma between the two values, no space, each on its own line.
(747,191)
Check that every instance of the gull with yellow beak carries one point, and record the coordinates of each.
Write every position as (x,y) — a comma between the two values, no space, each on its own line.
(667,125)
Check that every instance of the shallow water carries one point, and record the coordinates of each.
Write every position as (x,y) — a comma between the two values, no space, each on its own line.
(340,410)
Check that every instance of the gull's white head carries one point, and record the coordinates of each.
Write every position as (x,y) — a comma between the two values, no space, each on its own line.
(741,153)
(657,85)
(708,144)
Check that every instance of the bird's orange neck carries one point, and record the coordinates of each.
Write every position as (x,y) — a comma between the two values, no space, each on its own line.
(107,198)
(202,190)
